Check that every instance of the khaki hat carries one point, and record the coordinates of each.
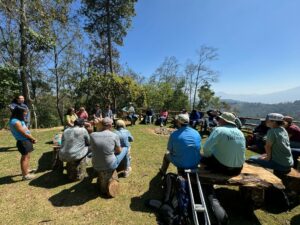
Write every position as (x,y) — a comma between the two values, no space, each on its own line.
(107,121)
(274,117)
(183,118)
(228,117)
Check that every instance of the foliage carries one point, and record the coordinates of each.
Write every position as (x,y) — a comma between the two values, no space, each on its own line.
(9,86)
(110,20)
(110,89)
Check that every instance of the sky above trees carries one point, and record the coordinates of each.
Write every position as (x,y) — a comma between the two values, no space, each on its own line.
(257,41)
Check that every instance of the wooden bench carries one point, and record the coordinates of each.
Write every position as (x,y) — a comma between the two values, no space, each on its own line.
(252,181)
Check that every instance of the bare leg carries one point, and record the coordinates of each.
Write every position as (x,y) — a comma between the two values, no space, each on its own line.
(25,164)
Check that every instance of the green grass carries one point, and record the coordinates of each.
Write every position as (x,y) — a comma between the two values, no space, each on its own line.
(52,199)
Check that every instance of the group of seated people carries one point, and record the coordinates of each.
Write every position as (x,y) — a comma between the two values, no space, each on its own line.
(108,148)
(224,149)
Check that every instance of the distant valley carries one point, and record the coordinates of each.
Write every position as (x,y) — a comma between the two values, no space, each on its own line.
(289,95)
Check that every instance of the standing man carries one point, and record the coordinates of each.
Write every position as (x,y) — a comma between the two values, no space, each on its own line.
(224,150)
(20,101)
(183,146)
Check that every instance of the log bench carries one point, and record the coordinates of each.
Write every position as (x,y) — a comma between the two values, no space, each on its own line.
(57,164)
(252,181)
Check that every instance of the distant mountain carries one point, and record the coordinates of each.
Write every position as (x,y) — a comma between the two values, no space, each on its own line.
(289,95)
(260,110)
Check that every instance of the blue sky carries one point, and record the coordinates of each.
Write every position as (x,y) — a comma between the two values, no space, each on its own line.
(258,41)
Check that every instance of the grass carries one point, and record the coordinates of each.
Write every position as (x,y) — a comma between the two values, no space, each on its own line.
(52,199)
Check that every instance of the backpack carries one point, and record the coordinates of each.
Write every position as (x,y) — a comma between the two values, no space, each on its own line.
(175,209)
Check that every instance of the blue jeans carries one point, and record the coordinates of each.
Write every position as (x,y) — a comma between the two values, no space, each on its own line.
(268,164)
(120,157)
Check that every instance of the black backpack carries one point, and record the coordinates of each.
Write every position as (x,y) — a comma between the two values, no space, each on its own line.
(175,209)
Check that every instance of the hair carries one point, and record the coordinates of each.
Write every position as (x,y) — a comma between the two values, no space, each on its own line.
(69,111)
(120,123)
(18,113)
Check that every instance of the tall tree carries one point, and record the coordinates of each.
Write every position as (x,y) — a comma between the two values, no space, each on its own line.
(198,73)
(110,20)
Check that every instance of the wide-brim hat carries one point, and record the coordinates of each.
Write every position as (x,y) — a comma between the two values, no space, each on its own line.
(228,117)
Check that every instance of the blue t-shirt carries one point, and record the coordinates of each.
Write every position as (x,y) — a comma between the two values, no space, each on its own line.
(125,137)
(227,144)
(18,136)
(184,146)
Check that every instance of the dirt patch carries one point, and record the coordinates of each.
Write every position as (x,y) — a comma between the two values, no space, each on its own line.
(163,131)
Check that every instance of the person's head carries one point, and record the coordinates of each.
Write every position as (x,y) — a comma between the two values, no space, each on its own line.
(120,124)
(81,109)
(21,99)
(182,119)
(226,118)
(183,111)
(79,122)
(288,120)
(70,111)
(274,120)
(97,106)
(18,113)
(107,123)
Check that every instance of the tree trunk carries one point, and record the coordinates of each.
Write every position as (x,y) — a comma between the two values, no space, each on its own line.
(196,86)
(109,36)
(23,54)
(57,86)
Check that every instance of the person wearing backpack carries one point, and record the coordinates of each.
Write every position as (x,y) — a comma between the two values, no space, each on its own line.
(183,146)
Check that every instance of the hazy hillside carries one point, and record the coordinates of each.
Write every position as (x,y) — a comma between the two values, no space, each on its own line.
(261,110)
(289,95)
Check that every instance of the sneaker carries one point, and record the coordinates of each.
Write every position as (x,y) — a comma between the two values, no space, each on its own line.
(28,177)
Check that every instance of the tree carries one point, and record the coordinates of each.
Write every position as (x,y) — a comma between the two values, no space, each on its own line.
(198,73)
(110,20)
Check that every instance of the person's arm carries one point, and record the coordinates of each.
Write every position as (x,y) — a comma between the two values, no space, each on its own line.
(210,142)
(21,129)
(118,148)
(130,137)
(268,149)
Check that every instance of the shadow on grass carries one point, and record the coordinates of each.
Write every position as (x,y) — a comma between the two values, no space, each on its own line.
(78,194)
(49,142)
(295,220)
(8,149)
(45,162)
(234,206)
(51,179)
(8,179)
(154,192)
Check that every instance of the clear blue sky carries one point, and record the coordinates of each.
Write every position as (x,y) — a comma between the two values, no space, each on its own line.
(258,41)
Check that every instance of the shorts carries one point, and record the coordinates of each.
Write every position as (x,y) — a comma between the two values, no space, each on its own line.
(24,147)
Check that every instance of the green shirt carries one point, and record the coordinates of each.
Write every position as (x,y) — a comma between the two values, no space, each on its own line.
(227,144)
(281,151)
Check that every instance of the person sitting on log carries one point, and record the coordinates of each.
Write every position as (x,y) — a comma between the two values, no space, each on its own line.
(163,117)
(256,142)
(183,146)
(107,156)
(74,149)
(224,150)
(125,138)
(278,154)
(195,118)
(293,131)
(70,117)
